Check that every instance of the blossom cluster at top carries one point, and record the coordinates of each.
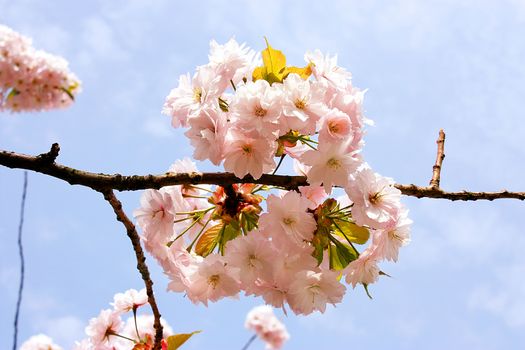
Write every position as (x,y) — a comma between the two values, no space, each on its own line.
(299,246)
(30,79)
(266,326)
(108,331)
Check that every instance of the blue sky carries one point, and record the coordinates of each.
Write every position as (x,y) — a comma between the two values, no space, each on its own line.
(426,64)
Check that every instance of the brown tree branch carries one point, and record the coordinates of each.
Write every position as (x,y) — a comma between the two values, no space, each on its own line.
(436,169)
(104,182)
(141,261)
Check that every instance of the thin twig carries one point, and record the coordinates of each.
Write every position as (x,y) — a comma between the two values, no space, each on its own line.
(249,342)
(119,182)
(141,261)
(22,262)
(436,169)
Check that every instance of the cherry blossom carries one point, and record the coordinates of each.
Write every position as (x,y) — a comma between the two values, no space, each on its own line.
(313,290)
(287,217)
(39,342)
(129,300)
(302,104)
(292,249)
(244,155)
(101,329)
(375,198)
(213,281)
(330,165)
(30,79)
(263,322)
(257,106)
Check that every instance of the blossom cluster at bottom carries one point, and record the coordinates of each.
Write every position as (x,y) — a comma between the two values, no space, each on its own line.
(108,331)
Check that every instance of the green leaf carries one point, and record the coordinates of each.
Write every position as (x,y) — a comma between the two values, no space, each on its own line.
(175,341)
(12,93)
(68,92)
(248,221)
(340,255)
(351,231)
(335,263)
(231,231)
(318,251)
(366,290)
(320,243)
(208,240)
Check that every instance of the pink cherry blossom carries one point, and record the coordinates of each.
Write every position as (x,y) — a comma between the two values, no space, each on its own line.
(39,342)
(213,281)
(244,155)
(375,198)
(145,327)
(394,236)
(315,195)
(364,269)
(263,322)
(156,213)
(257,106)
(192,96)
(312,290)
(30,79)
(336,126)
(287,218)
(302,104)
(206,133)
(101,329)
(350,101)
(83,344)
(325,67)
(331,165)
(129,300)
(231,62)
(319,123)
(183,269)
(252,255)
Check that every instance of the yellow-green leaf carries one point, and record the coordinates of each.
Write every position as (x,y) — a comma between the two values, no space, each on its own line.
(274,65)
(12,93)
(175,341)
(230,231)
(274,68)
(274,60)
(259,73)
(208,240)
(303,72)
(340,255)
(351,231)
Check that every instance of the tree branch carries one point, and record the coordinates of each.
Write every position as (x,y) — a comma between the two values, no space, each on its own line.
(436,169)
(141,261)
(104,182)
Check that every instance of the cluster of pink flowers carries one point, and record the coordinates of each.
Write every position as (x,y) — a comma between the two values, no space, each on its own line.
(30,79)
(40,342)
(263,322)
(215,242)
(108,331)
